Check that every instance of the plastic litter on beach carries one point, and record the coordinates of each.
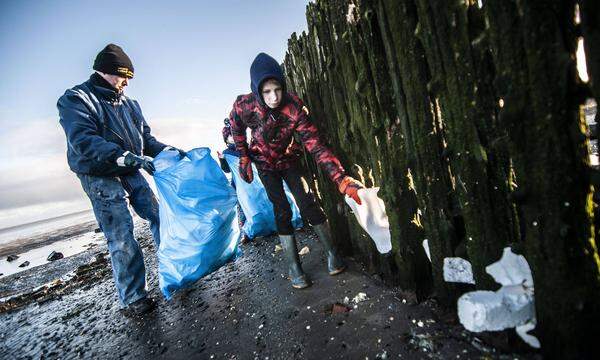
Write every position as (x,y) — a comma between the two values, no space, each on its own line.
(458,270)
(372,218)
(511,306)
(360,297)
(426,247)
(305,250)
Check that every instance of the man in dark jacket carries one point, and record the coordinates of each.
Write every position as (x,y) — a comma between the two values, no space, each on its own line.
(108,141)
(276,118)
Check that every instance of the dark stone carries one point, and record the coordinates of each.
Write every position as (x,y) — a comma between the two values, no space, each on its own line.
(11,258)
(97,230)
(25,264)
(55,256)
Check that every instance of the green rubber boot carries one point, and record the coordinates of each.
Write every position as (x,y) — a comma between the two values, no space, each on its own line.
(290,251)
(335,264)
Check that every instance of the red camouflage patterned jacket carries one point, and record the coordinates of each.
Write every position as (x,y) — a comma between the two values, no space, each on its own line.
(273,145)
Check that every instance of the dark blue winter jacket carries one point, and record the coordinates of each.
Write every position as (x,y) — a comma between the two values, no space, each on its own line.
(100,125)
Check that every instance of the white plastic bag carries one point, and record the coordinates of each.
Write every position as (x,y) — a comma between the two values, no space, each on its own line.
(372,218)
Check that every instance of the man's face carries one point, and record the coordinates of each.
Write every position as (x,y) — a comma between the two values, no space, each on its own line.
(272,93)
(118,82)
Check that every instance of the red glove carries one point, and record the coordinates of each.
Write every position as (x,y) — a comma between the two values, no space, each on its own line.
(350,187)
(246,169)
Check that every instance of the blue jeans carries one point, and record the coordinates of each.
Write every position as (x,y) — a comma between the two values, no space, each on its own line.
(109,201)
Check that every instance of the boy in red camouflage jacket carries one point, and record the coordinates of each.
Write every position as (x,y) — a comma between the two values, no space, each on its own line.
(274,116)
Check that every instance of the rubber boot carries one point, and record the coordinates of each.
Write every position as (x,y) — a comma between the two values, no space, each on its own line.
(335,264)
(290,251)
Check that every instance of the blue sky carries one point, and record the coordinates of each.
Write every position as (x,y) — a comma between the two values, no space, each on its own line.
(191,60)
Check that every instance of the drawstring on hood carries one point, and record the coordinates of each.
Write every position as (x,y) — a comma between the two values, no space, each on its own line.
(264,67)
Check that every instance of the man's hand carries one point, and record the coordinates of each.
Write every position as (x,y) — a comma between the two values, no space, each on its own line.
(350,187)
(182,153)
(133,161)
(246,169)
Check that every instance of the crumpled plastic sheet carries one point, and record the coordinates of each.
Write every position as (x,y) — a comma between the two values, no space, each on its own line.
(372,218)
(511,306)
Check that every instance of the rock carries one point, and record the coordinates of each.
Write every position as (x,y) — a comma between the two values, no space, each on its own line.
(55,256)
(11,258)
(25,264)
(422,342)
(97,230)
(382,355)
(278,248)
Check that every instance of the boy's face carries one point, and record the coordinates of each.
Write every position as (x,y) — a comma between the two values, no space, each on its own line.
(272,93)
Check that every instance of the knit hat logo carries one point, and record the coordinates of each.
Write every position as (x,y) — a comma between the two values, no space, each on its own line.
(113,60)
(125,72)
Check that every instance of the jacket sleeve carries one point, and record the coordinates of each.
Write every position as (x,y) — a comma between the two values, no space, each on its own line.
(82,130)
(151,146)
(238,129)
(309,135)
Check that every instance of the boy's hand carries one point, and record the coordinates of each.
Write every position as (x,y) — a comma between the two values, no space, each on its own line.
(350,187)
(246,169)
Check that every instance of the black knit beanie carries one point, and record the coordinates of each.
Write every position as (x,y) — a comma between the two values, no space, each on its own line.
(113,60)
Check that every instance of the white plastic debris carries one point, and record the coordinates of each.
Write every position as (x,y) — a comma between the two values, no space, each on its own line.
(458,270)
(512,269)
(529,339)
(360,297)
(305,250)
(372,218)
(511,306)
(426,247)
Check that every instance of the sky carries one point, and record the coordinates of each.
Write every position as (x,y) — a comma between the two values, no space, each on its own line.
(191,60)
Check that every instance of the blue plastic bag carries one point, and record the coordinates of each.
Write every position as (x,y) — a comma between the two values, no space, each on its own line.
(198,220)
(260,218)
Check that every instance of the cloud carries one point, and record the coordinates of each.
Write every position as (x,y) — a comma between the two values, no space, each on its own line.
(36,180)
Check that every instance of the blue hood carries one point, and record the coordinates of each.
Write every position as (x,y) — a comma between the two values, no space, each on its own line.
(264,67)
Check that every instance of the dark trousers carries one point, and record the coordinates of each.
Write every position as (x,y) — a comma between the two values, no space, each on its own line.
(296,182)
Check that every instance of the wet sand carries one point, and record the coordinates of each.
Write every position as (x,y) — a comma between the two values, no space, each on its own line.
(245,310)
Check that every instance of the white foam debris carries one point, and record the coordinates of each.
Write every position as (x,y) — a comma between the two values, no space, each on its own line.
(523,330)
(511,306)
(360,297)
(458,270)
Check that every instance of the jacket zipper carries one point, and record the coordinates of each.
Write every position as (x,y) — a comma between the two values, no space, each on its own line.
(124,129)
